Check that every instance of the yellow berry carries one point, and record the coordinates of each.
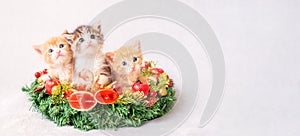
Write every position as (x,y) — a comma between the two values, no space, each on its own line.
(163,92)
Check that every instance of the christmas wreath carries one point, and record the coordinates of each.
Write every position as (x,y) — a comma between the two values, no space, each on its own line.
(108,108)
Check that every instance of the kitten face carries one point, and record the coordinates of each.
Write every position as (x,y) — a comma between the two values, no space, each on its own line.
(86,40)
(126,60)
(55,51)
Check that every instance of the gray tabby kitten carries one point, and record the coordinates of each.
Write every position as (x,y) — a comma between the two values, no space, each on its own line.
(90,65)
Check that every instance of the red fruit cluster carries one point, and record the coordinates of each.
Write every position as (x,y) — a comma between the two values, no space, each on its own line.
(40,73)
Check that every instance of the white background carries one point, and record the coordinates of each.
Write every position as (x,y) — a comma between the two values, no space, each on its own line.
(260,41)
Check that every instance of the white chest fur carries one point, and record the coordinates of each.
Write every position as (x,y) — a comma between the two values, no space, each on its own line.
(83,66)
(82,63)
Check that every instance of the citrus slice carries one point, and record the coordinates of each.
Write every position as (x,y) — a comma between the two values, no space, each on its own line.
(82,101)
(106,96)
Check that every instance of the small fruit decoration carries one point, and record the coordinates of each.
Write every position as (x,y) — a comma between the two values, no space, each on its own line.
(82,101)
(51,84)
(106,96)
(141,87)
(104,107)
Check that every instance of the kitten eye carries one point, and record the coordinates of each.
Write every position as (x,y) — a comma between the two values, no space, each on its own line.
(81,40)
(92,36)
(135,59)
(61,45)
(124,63)
(50,50)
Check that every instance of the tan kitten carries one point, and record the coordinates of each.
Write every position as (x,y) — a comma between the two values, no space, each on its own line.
(57,54)
(89,61)
(126,64)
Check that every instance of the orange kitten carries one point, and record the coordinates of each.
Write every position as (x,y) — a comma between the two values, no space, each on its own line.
(126,64)
(57,54)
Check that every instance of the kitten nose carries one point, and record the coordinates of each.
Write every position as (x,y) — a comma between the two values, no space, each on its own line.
(132,68)
(90,43)
(58,53)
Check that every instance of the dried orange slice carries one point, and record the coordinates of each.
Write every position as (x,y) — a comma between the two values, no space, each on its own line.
(82,101)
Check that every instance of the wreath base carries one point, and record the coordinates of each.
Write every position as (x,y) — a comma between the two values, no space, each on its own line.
(110,116)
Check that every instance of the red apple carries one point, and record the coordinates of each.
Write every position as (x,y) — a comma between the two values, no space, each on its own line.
(45,71)
(142,87)
(50,83)
(156,71)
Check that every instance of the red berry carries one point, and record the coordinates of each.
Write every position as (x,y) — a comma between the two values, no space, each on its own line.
(170,83)
(37,74)
(45,71)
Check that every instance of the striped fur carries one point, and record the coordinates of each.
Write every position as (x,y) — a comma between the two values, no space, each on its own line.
(87,43)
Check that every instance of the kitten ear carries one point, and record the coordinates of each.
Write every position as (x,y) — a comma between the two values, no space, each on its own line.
(99,28)
(110,57)
(70,40)
(65,31)
(69,37)
(137,44)
(38,49)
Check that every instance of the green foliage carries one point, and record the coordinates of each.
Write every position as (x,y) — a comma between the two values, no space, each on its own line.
(135,98)
(60,113)
(163,82)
